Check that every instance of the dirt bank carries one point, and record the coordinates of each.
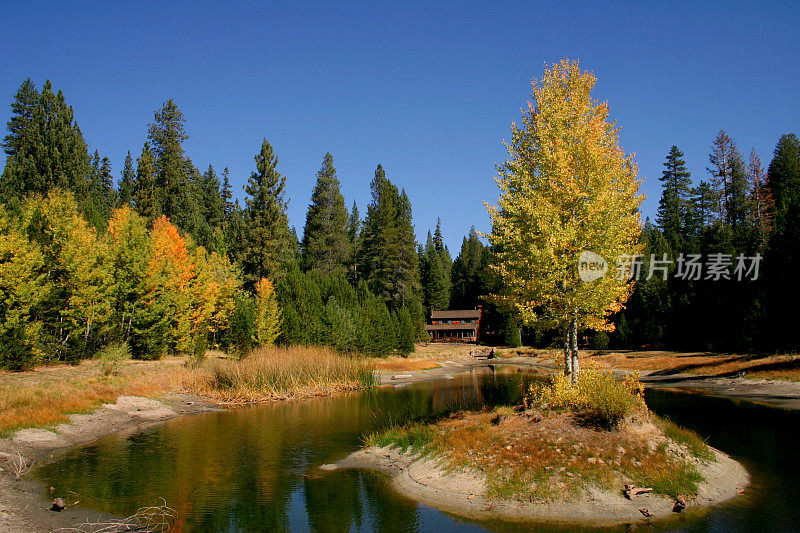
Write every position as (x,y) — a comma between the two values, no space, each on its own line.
(24,505)
(464,493)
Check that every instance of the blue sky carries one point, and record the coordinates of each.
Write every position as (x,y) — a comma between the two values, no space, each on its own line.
(428,89)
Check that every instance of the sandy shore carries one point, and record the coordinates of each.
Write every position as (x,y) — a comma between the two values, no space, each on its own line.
(463,493)
(24,506)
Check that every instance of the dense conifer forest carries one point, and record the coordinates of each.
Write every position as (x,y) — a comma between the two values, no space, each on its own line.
(164,257)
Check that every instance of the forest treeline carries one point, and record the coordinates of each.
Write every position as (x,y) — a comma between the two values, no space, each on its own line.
(164,257)
(167,260)
(741,210)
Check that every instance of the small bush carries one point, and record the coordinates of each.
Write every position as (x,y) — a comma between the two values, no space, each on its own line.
(112,357)
(199,348)
(598,399)
(600,341)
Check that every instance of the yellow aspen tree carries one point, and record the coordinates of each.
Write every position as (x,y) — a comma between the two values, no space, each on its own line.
(268,314)
(171,275)
(23,287)
(567,187)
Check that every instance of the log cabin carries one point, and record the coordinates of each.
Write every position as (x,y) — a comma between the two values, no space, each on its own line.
(459,325)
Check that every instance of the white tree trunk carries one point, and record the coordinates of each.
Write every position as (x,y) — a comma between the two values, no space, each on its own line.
(576,366)
(567,350)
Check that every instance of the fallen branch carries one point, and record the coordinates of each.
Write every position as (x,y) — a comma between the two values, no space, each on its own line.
(19,465)
(155,519)
(631,491)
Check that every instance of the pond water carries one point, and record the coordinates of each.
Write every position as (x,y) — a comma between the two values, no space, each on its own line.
(257,468)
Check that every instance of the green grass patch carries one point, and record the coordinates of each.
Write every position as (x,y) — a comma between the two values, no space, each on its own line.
(681,479)
(418,438)
(694,442)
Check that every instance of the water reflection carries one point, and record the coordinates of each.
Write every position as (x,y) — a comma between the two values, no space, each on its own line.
(255,468)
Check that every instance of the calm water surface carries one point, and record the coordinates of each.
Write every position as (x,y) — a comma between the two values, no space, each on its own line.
(256,468)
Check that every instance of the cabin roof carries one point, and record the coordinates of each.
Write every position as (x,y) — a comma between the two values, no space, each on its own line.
(457,313)
(450,327)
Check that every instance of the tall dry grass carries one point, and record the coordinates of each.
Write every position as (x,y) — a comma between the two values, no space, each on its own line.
(48,395)
(280,373)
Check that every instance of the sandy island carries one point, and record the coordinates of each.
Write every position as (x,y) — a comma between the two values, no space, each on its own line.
(463,493)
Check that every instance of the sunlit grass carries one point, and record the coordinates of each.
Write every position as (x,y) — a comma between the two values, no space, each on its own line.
(549,455)
(277,373)
(47,404)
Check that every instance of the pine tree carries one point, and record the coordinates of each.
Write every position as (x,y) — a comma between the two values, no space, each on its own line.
(729,180)
(325,243)
(673,207)
(761,201)
(388,261)
(212,203)
(227,195)
(21,124)
(566,187)
(267,245)
(466,272)
(435,274)
(354,244)
(144,193)
(783,181)
(45,146)
(173,171)
(126,182)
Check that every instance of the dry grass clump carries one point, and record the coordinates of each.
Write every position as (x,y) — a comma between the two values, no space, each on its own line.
(44,404)
(399,364)
(280,373)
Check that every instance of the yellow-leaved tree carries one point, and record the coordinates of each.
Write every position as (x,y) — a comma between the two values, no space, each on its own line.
(268,313)
(566,188)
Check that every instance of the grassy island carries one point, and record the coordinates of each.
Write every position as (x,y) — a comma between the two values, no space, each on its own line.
(565,443)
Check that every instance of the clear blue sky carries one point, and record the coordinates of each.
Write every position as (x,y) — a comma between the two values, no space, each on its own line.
(427,89)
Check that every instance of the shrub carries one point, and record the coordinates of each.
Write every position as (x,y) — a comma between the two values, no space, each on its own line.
(600,341)
(112,357)
(598,398)
(242,330)
(199,348)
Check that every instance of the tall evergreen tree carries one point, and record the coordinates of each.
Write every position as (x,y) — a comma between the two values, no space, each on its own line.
(354,244)
(761,202)
(21,124)
(673,206)
(325,240)
(435,277)
(783,179)
(729,179)
(145,188)
(126,182)
(173,170)
(227,194)
(388,260)
(45,146)
(267,241)
(466,271)
(211,199)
